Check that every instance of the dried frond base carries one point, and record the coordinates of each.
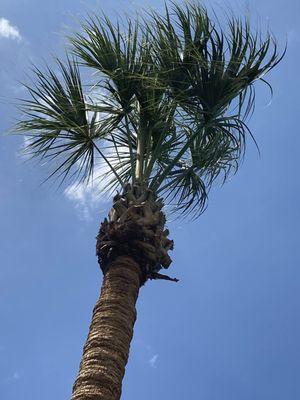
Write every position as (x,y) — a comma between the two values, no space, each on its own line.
(136,227)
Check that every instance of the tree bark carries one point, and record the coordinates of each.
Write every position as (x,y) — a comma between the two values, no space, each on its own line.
(132,246)
(106,350)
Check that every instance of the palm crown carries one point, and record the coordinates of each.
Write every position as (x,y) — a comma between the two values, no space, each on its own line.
(166,108)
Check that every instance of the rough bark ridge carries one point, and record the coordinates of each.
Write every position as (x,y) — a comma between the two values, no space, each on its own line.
(106,351)
(136,227)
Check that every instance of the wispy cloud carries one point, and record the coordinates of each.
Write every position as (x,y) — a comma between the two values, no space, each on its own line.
(147,352)
(9,31)
(87,197)
(23,151)
(153,361)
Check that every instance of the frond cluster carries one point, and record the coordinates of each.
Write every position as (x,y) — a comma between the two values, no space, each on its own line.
(167,109)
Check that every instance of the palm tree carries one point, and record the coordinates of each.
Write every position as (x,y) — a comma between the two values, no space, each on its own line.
(162,118)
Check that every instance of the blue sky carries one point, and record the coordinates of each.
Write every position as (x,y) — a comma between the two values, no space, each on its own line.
(230,328)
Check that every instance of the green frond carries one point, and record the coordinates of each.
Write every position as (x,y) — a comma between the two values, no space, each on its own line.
(55,119)
(168,108)
(205,66)
(209,74)
(119,55)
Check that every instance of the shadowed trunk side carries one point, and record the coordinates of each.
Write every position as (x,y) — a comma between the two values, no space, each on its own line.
(106,351)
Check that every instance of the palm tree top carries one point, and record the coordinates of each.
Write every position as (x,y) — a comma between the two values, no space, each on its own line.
(165,107)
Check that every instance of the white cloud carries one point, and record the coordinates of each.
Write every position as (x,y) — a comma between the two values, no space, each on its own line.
(147,352)
(87,197)
(24,152)
(153,361)
(8,31)
(84,198)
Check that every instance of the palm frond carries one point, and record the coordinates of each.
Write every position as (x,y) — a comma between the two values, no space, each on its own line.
(207,66)
(119,55)
(169,106)
(55,118)
(209,73)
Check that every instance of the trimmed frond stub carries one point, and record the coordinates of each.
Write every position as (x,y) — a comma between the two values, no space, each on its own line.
(175,94)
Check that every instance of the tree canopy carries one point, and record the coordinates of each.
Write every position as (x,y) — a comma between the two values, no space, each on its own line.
(166,107)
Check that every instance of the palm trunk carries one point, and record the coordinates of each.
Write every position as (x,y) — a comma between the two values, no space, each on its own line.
(106,351)
(132,246)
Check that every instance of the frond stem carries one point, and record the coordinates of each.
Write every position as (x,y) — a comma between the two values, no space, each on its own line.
(109,164)
(155,184)
(130,145)
(140,152)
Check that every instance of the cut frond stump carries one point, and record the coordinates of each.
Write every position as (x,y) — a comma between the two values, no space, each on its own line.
(136,227)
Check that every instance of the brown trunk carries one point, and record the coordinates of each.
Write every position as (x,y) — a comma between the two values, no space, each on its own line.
(132,246)
(106,351)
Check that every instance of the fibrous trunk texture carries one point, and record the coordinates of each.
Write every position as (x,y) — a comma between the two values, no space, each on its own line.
(132,247)
(106,351)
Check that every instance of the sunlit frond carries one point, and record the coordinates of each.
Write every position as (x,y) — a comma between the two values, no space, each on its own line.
(62,123)
(175,92)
